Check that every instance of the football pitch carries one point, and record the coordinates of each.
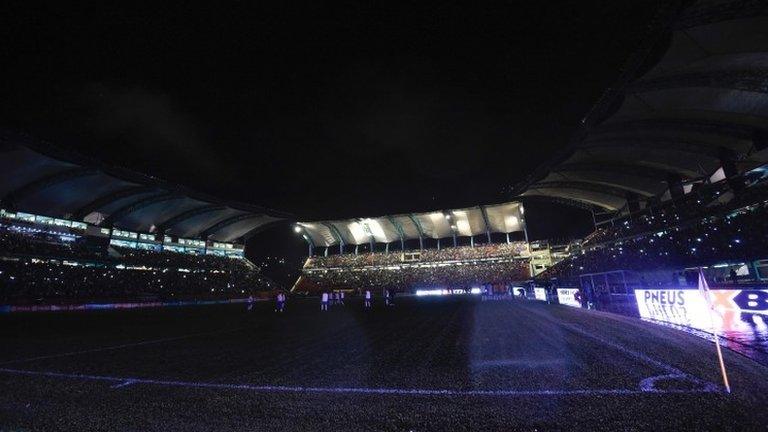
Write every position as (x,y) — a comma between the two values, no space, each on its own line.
(423,364)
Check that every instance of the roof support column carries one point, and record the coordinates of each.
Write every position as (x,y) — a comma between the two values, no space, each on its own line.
(675,185)
(487,225)
(524,223)
(728,162)
(338,236)
(452,224)
(633,202)
(399,230)
(421,231)
(309,241)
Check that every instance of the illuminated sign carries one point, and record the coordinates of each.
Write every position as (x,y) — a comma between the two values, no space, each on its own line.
(411,256)
(567,296)
(540,293)
(689,308)
(443,292)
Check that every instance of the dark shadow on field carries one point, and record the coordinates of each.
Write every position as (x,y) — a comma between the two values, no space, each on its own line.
(308,347)
(457,343)
(419,343)
(511,349)
(27,335)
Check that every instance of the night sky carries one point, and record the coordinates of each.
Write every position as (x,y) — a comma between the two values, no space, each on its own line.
(321,109)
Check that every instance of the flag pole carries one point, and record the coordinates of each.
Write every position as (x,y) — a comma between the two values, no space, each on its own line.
(704,289)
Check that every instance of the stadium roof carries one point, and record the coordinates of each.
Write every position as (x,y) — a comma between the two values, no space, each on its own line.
(694,96)
(465,222)
(38,178)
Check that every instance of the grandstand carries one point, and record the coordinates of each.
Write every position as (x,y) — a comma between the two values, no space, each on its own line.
(688,110)
(74,231)
(672,160)
(451,266)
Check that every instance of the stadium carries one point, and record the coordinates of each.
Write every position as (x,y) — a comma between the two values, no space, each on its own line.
(129,302)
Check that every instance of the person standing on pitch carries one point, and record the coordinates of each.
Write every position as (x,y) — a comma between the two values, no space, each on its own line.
(280,302)
(367,301)
(341,298)
(324,301)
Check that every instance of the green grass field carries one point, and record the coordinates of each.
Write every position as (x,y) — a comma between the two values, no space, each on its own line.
(424,364)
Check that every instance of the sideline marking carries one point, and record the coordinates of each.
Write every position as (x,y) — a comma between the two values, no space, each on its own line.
(123,381)
(647,384)
(124,384)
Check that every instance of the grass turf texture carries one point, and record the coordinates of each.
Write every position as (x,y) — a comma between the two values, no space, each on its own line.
(425,364)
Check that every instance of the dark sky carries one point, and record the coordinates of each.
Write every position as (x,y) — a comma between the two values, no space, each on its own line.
(322,109)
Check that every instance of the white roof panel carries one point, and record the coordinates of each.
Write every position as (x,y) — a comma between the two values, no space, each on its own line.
(465,222)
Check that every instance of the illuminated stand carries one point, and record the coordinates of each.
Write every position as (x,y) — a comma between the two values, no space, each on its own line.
(154,242)
(470,222)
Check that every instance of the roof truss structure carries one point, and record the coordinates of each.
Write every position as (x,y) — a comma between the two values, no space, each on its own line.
(702,106)
(38,178)
(464,222)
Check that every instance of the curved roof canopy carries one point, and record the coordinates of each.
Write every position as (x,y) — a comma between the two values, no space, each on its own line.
(40,179)
(465,222)
(701,105)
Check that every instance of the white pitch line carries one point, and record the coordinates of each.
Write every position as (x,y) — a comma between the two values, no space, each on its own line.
(124,384)
(123,381)
(669,369)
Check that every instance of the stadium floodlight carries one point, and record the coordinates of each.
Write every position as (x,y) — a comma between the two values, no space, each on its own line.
(297,228)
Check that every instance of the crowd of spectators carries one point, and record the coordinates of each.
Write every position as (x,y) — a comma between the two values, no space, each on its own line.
(459,253)
(26,241)
(163,259)
(410,277)
(741,235)
(34,268)
(702,201)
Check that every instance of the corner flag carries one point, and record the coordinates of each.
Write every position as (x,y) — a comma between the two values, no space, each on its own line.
(704,290)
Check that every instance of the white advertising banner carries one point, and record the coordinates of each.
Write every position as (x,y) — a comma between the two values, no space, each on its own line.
(540,294)
(567,296)
(689,308)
